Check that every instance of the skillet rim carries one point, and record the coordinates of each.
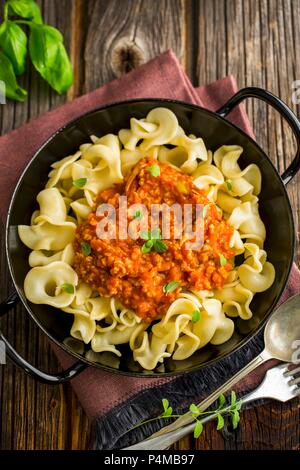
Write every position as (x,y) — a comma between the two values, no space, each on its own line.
(150,374)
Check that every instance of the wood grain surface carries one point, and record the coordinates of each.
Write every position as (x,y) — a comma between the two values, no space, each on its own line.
(256,41)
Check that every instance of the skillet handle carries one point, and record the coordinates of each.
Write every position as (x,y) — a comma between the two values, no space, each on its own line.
(284,110)
(18,360)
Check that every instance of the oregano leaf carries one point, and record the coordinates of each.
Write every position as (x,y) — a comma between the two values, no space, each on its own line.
(198,429)
(220,424)
(194,409)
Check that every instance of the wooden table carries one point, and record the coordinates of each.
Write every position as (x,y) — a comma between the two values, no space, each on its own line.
(257,42)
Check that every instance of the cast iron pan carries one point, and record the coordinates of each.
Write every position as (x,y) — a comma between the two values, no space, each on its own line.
(275,211)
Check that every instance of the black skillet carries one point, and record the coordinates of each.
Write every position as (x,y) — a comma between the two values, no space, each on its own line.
(275,210)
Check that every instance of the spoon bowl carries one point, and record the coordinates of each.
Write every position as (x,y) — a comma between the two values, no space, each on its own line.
(282,330)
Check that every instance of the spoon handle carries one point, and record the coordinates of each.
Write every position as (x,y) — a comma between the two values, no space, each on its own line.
(186,419)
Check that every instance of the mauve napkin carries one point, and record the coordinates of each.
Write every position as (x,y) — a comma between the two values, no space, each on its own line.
(119,402)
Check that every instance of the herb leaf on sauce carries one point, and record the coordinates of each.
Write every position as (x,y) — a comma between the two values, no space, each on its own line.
(160,246)
(138,215)
(223,260)
(147,246)
(153,241)
(154,170)
(86,248)
(171,286)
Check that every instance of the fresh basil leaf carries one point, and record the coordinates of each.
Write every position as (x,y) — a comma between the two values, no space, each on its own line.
(171,286)
(198,429)
(68,288)
(223,260)
(85,248)
(154,170)
(28,9)
(13,42)
(160,246)
(7,75)
(80,183)
(196,315)
(49,56)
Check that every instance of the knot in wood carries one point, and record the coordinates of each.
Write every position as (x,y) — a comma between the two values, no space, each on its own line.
(126,56)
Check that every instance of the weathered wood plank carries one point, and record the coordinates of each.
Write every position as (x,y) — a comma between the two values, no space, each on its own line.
(123,35)
(256,41)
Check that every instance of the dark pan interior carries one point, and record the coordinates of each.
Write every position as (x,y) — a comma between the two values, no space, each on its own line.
(275,211)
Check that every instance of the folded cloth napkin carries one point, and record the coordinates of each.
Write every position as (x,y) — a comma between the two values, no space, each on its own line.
(117,402)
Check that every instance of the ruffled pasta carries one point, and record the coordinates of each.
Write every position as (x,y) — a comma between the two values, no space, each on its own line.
(103,323)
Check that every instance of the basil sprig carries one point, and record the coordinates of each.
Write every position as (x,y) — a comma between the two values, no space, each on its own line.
(46,49)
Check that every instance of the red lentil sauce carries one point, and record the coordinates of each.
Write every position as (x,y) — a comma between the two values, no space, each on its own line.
(119,268)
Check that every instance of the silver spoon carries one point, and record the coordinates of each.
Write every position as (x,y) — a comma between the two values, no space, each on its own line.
(281,336)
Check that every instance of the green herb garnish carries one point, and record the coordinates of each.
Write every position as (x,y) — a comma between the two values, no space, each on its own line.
(231,409)
(196,315)
(138,215)
(171,286)
(160,246)
(229,185)
(80,183)
(198,429)
(86,248)
(154,170)
(223,260)
(146,248)
(168,410)
(153,241)
(69,288)
(48,55)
